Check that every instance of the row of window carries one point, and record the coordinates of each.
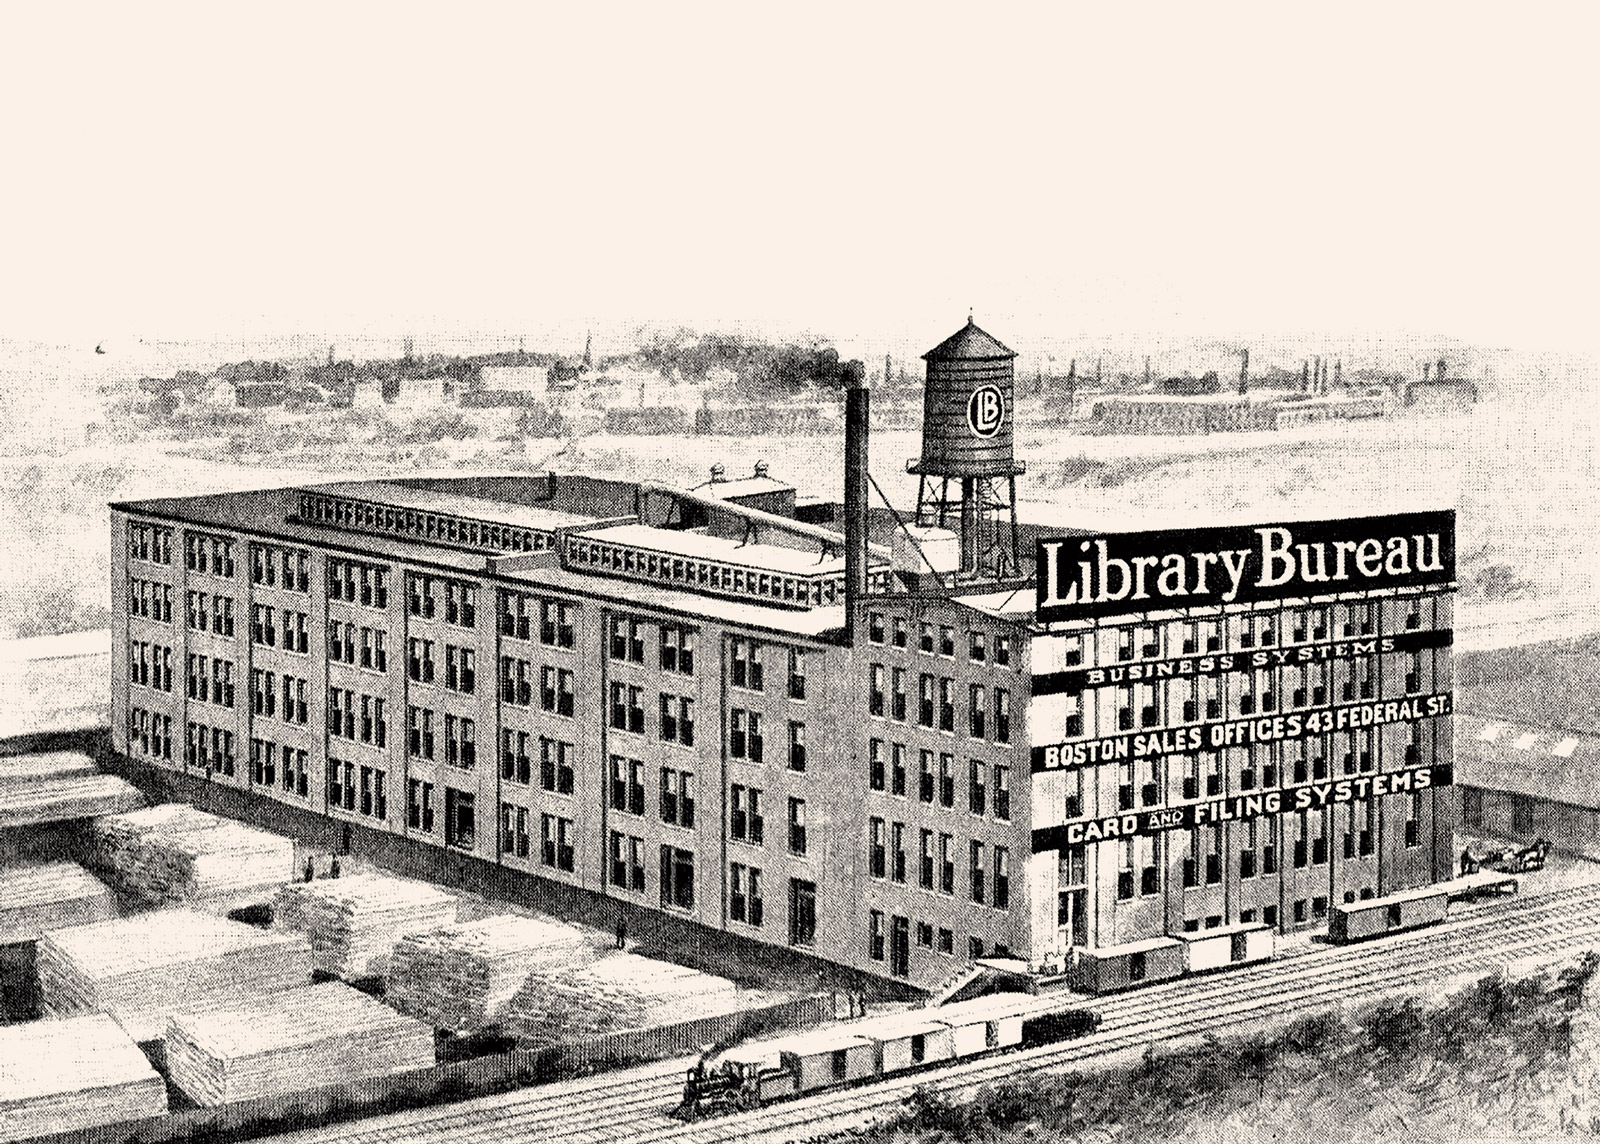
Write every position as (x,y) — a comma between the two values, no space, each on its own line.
(357,582)
(211,614)
(675,721)
(555,687)
(556,772)
(886,770)
(936,704)
(460,666)
(460,813)
(977,643)
(677,790)
(151,543)
(746,740)
(357,717)
(209,680)
(288,569)
(265,769)
(899,942)
(674,646)
(418,524)
(1264,766)
(425,594)
(275,627)
(556,619)
(210,748)
(150,733)
(1140,863)
(460,735)
(210,555)
(265,688)
(358,646)
(150,600)
(556,834)
(358,789)
(887,858)
(150,665)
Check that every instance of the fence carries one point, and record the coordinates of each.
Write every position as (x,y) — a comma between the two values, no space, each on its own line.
(442,1084)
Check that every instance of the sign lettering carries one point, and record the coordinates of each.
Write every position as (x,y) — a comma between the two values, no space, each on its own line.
(985,411)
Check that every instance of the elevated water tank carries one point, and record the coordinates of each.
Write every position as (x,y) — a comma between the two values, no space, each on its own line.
(967,407)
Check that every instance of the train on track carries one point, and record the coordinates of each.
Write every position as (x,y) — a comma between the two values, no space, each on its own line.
(750,1075)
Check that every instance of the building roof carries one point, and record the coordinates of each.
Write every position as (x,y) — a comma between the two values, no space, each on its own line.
(743,487)
(1528,759)
(453,504)
(969,343)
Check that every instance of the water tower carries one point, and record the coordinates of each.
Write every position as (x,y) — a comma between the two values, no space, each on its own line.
(967,478)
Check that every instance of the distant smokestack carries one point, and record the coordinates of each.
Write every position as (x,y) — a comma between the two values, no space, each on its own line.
(1098,362)
(1338,371)
(1438,374)
(1425,367)
(1147,369)
(857,417)
(1305,376)
(887,376)
(1244,373)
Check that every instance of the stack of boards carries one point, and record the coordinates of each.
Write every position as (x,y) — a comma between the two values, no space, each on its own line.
(461,977)
(175,853)
(34,899)
(56,1076)
(620,991)
(284,1043)
(145,968)
(354,923)
(59,786)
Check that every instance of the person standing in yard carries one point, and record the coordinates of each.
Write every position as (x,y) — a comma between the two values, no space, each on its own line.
(622,932)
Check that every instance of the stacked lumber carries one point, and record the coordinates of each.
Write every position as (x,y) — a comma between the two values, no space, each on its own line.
(144,968)
(64,798)
(461,977)
(620,991)
(34,899)
(47,765)
(56,1076)
(315,1035)
(354,923)
(175,853)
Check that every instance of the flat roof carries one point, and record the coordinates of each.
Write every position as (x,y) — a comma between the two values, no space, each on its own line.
(452,504)
(1553,764)
(700,546)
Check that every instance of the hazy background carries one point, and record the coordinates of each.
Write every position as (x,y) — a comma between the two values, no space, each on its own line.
(187,185)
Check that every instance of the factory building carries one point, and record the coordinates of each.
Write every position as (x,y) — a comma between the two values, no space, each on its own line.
(729,705)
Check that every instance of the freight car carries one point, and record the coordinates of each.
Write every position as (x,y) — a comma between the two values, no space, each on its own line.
(745,1076)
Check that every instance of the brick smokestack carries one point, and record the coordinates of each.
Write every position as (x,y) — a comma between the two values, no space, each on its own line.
(857,406)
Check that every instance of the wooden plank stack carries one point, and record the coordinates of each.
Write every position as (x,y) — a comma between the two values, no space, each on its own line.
(47,765)
(63,798)
(354,923)
(461,977)
(620,991)
(34,899)
(144,968)
(56,1076)
(314,1035)
(175,853)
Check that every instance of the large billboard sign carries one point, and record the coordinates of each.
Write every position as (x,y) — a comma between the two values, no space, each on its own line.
(1085,577)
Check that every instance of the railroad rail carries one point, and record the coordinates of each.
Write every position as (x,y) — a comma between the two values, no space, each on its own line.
(632,1106)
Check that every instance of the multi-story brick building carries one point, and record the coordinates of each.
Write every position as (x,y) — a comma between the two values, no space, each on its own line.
(682,699)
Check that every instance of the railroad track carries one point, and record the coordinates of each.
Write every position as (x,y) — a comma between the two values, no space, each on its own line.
(632,1105)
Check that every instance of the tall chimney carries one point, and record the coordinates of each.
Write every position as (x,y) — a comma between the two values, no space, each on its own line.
(1244,373)
(857,406)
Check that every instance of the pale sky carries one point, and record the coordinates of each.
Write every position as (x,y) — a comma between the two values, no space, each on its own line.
(866,172)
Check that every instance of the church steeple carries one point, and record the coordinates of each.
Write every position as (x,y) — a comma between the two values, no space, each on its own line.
(588,343)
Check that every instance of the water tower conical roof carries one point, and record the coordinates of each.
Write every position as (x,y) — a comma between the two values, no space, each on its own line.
(969,343)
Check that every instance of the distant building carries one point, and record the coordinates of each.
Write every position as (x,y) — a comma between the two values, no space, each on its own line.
(532,379)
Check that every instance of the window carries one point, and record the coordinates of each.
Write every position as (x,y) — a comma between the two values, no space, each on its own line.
(744,894)
(876,937)
(925,876)
(460,742)
(419,805)
(677,797)
(555,765)
(875,765)
(898,772)
(1149,849)
(746,665)
(1002,792)
(627,711)
(877,848)
(977,647)
(744,735)
(516,612)
(556,695)
(460,824)
(745,823)
(925,701)
(875,627)
(460,669)
(947,705)
(947,864)
(513,830)
(1002,715)
(677,878)
(515,765)
(676,722)
(975,711)
(627,639)
(947,641)
(875,694)
(797,674)
(556,627)
(975,871)
(897,703)
(977,793)
(1413,827)
(1125,872)
(1247,852)
(900,632)
(1002,651)
(898,834)
(419,660)
(797,826)
(1002,877)
(677,649)
(797,746)
(802,912)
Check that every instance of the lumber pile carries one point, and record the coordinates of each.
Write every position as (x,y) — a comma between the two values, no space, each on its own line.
(46,765)
(56,1076)
(175,853)
(64,798)
(461,977)
(144,968)
(34,899)
(314,1035)
(354,923)
(620,991)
